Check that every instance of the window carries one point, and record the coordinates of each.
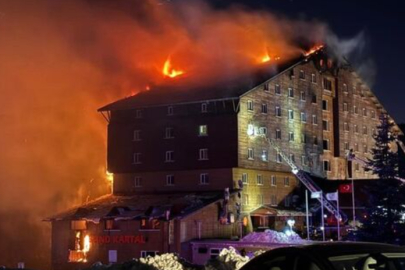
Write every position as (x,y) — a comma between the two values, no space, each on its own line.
(203,154)
(324,105)
(265,155)
(170,110)
(314,119)
(372,114)
(203,130)
(326,145)
(365,149)
(356,129)
(149,224)
(169,133)
(346,127)
(264,108)
(279,159)
(364,112)
(292,73)
(245,178)
(292,157)
(325,125)
(356,167)
(273,199)
(137,135)
(204,107)
(291,136)
(313,78)
(290,92)
(356,147)
(326,166)
(314,99)
(137,158)
(259,199)
(245,199)
(287,201)
(315,140)
(138,114)
(327,84)
(278,134)
(302,96)
(304,161)
(169,156)
(273,181)
(146,253)
(302,75)
(345,107)
(214,252)
(137,181)
(266,87)
(304,138)
(303,117)
(259,179)
(112,256)
(170,180)
(290,114)
(262,130)
(345,88)
(109,224)
(278,111)
(204,179)
(250,153)
(250,105)
(364,130)
(346,146)
(277,89)
(355,110)
(78,225)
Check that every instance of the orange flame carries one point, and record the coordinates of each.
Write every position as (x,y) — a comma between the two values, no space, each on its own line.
(86,246)
(266,58)
(313,50)
(169,71)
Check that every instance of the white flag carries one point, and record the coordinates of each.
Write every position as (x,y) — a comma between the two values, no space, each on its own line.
(332,196)
(316,194)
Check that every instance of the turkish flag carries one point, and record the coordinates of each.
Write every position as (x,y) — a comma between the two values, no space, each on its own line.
(345,188)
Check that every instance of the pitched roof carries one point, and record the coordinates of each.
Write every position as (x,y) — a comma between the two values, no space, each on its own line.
(180,93)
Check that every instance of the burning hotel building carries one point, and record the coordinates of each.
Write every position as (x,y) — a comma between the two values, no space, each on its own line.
(196,164)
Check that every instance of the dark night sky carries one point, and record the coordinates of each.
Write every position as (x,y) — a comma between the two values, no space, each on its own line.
(383,23)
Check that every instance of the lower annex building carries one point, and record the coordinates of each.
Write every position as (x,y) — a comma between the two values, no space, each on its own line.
(194,163)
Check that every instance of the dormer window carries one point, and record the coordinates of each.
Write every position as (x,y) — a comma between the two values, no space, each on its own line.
(204,107)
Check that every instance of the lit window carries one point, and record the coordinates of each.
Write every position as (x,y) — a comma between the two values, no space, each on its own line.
(137,135)
(138,114)
(314,119)
(112,256)
(204,107)
(169,156)
(273,181)
(170,110)
(203,154)
(264,108)
(286,181)
(325,144)
(204,179)
(290,114)
(291,136)
(245,178)
(137,158)
(250,105)
(313,78)
(278,134)
(302,75)
(326,166)
(169,133)
(259,179)
(290,92)
(250,153)
(273,200)
(324,105)
(325,125)
(345,107)
(109,224)
(279,159)
(303,117)
(302,96)
(170,180)
(203,130)
(277,89)
(265,155)
(327,84)
(278,111)
(137,181)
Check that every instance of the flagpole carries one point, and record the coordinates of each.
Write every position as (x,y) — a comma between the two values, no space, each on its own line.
(338,219)
(322,218)
(353,204)
(307,212)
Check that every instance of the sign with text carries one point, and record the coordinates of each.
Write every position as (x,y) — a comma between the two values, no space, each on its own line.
(117,239)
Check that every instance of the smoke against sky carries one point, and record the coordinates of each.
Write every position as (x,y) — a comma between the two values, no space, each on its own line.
(60,61)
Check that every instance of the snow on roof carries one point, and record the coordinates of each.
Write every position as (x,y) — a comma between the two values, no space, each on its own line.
(266,210)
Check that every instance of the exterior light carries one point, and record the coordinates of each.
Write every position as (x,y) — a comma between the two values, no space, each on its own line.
(251,130)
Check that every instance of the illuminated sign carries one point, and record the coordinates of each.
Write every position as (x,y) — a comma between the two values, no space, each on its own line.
(117,239)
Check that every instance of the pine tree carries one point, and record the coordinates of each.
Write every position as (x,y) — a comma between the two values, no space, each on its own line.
(383,220)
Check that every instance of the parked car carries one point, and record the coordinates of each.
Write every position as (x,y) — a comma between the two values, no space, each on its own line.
(331,256)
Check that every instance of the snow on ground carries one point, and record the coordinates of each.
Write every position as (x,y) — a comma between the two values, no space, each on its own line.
(270,236)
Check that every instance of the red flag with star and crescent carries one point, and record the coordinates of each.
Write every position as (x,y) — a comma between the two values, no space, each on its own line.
(345,188)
